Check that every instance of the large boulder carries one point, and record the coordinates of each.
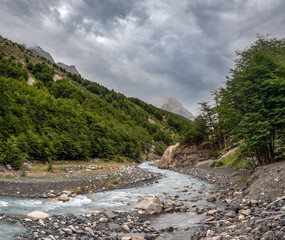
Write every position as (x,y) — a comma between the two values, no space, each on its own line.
(148,205)
(27,166)
(63,197)
(167,160)
(38,215)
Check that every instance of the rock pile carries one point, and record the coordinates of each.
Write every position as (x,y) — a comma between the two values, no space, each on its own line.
(249,219)
(103,225)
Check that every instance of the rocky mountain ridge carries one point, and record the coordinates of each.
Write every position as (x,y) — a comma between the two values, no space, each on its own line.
(176,107)
(42,53)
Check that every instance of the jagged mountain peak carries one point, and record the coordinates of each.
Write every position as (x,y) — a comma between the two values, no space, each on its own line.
(176,107)
(42,53)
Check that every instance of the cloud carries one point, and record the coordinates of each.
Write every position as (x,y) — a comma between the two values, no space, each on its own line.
(146,49)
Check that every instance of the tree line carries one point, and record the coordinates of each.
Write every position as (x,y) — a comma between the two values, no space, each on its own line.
(250,108)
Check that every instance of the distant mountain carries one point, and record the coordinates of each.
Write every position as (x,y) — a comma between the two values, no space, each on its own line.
(176,107)
(72,69)
(42,53)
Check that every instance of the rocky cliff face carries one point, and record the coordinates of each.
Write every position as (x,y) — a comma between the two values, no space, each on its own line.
(72,69)
(176,107)
(167,160)
(42,53)
(183,156)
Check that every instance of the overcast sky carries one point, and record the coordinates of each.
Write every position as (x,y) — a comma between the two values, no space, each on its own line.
(150,49)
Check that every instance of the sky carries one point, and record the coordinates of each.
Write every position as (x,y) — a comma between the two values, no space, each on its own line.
(149,49)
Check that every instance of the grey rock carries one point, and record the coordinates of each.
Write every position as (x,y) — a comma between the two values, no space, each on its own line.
(148,205)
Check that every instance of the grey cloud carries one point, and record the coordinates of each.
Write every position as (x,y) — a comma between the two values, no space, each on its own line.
(147,49)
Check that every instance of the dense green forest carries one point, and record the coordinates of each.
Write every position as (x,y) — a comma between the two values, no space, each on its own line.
(72,118)
(250,108)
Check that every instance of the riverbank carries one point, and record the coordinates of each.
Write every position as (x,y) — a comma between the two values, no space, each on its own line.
(254,203)
(72,182)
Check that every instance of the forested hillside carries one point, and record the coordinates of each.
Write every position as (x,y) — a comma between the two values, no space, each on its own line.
(62,116)
(250,108)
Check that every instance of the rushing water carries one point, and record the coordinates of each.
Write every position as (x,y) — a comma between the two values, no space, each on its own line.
(123,200)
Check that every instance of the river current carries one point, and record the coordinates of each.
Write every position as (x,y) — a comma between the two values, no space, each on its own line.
(122,200)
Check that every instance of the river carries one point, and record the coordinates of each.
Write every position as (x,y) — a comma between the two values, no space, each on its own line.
(122,200)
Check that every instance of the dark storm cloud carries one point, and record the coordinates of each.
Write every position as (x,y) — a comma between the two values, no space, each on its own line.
(151,49)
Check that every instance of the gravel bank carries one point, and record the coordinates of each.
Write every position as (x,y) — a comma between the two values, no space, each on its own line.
(254,203)
(37,187)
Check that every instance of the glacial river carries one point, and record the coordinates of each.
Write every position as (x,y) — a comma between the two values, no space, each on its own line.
(122,200)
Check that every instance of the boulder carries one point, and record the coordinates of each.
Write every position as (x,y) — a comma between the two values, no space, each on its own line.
(148,205)
(8,166)
(167,160)
(110,214)
(38,215)
(27,166)
(63,197)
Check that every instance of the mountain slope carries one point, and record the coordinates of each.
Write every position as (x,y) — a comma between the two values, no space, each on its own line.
(72,118)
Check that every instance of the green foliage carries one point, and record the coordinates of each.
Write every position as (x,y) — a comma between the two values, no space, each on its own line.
(251,107)
(11,69)
(10,153)
(160,148)
(50,166)
(42,72)
(214,154)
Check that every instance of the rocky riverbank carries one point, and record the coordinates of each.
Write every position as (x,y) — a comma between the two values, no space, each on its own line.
(254,203)
(72,184)
(100,225)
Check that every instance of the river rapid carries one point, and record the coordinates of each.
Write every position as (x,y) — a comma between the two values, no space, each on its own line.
(172,184)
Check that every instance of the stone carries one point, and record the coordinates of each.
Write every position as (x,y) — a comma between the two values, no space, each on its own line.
(211,199)
(232,227)
(103,220)
(200,210)
(237,194)
(212,212)
(246,212)
(149,236)
(216,238)
(68,231)
(126,228)
(89,230)
(38,215)
(209,233)
(135,237)
(110,214)
(231,214)
(148,205)
(241,217)
(252,201)
(8,166)
(27,166)
(126,238)
(63,197)
(72,228)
